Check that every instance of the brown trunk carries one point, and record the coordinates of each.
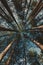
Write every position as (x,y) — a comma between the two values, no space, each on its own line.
(38,44)
(7,7)
(9,59)
(4,17)
(36,8)
(17,5)
(6,50)
(9,18)
(38,27)
(9,10)
(6,29)
(41,6)
(9,22)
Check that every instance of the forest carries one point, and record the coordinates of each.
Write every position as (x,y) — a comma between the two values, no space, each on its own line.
(21,32)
